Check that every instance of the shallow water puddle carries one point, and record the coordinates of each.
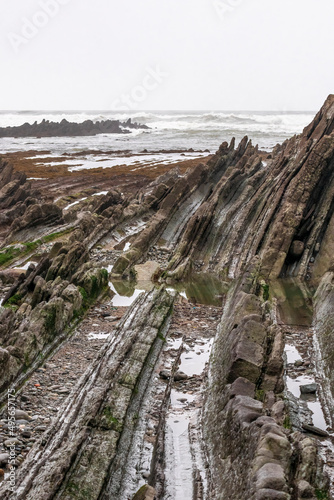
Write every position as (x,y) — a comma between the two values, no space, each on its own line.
(179,470)
(25,266)
(312,401)
(292,353)
(100,193)
(179,399)
(120,300)
(83,199)
(198,290)
(75,203)
(182,416)
(174,343)
(293,384)
(318,418)
(98,336)
(193,361)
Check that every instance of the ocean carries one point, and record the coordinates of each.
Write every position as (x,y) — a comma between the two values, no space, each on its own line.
(198,130)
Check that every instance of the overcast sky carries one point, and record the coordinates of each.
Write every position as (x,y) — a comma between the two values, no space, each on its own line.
(166,54)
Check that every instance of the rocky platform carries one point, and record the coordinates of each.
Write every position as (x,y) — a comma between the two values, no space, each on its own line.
(154,414)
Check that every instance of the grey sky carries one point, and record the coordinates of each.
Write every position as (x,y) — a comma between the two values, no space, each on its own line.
(212,54)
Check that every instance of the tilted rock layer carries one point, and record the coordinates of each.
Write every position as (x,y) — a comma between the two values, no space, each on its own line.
(245,216)
(244,203)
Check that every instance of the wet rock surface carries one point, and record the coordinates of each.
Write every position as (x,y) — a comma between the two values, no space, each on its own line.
(50,385)
(126,390)
(114,365)
(245,405)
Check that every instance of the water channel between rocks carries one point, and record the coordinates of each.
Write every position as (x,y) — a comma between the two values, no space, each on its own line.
(186,354)
(294,305)
(303,382)
(185,358)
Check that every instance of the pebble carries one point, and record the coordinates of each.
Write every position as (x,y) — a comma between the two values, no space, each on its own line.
(22,415)
(40,428)
(10,442)
(180,376)
(4,457)
(309,388)
(164,374)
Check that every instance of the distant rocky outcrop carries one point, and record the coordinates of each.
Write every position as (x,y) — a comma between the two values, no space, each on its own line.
(70,129)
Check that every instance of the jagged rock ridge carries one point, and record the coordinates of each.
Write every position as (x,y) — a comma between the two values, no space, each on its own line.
(70,129)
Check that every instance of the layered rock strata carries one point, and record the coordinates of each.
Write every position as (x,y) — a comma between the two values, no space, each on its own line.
(83,453)
(281,209)
(244,204)
(324,332)
(252,453)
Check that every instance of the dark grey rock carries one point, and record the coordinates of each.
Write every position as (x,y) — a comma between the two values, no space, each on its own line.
(309,388)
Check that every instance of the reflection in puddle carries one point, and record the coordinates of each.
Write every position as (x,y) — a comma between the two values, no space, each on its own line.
(205,290)
(202,289)
(294,301)
(292,353)
(293,384)
(318,418)
(193,361)
(122,299)
(98,336)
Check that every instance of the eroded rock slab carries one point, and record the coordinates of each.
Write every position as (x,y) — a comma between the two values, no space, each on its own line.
(82,449)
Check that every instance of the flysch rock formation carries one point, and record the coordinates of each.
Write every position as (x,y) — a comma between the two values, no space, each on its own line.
(70,129)
(252,453)
(139,424)
(83,454)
